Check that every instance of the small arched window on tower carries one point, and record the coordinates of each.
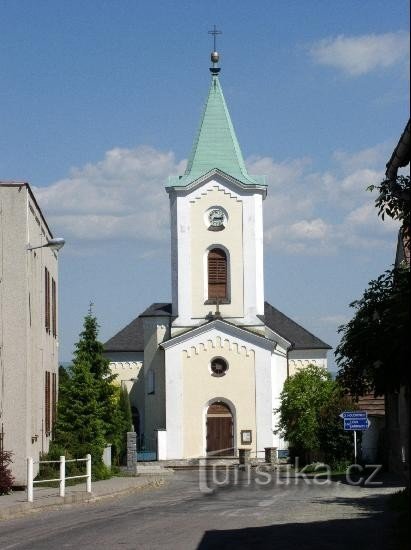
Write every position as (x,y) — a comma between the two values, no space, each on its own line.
(217,275)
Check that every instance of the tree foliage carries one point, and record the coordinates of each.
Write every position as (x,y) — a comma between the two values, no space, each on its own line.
(374,350)
(79,425)
(6,477)
(91,413)
(123,424)
(394,199)
(309,415)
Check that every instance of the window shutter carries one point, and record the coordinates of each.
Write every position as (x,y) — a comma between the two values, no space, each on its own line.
(47,299)
(47,403)
(217,274)
(53,399)
(53,308)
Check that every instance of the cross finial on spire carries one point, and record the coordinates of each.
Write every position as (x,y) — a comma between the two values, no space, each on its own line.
(214,54)
(214,32)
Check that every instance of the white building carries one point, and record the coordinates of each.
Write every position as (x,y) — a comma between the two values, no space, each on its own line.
(207,369)
(28,327)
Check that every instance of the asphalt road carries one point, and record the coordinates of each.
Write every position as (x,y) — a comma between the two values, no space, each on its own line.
(189,513)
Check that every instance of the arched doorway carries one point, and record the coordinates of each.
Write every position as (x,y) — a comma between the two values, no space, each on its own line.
(219,430)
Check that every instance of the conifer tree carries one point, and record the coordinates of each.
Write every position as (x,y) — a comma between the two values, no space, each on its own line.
(122,423)
(79,426)
(124,404)
(90,351)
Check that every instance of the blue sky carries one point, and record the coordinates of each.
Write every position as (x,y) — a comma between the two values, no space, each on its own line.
(101,100)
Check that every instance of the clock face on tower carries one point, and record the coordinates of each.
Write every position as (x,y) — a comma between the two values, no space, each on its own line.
(216,218)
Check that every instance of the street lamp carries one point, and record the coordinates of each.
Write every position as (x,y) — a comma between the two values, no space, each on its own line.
(54,244)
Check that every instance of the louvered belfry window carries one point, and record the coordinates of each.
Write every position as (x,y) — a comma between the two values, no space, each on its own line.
(217,274)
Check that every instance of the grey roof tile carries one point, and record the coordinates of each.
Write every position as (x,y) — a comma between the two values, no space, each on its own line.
(299,337)
(131,337)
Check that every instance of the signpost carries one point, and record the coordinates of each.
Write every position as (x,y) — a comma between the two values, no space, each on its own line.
(355,421)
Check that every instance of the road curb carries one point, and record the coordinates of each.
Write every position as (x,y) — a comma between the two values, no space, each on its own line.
(54,502)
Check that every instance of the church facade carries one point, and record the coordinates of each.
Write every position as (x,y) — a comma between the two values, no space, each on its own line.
(205,371)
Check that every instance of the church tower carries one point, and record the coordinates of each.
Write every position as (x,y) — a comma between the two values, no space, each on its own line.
(216,226)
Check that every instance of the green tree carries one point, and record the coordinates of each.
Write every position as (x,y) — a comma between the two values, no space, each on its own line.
(336,444)
(311,403)
(125,407)
(88,412)
(123,424)
(394,199)
(302,397)
(374,350)
(79,427)
(89,350)
(6,477)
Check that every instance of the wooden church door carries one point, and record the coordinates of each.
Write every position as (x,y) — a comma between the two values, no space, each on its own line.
(220,430)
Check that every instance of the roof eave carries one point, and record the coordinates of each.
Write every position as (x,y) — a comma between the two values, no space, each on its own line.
(217,172)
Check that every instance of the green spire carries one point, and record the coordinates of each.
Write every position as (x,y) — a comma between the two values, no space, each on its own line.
(216,145)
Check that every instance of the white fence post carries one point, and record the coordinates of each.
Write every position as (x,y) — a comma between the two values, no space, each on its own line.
(62,476)
(30,479)
(88,473)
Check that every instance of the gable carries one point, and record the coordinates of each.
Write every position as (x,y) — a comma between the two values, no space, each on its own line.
(215,329)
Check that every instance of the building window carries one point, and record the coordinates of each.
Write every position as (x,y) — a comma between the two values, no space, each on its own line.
(218,366)
(217,274)
(54,308)
(53,399)
(151,383)
(47,392)
(47,299)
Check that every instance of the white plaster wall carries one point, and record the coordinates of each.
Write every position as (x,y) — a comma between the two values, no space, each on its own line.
(298,359)
(174,403)
(244,241)
(127,371)
(190,388)
(27,351)
(203,240)
(200,388)
(155,403)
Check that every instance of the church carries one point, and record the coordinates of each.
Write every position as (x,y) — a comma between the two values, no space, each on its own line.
(205,372)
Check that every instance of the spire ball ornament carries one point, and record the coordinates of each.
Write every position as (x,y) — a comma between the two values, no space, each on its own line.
(215,57)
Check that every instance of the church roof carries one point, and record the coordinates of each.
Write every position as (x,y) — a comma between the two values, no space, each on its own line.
(291,331)
(216,144)
(131,337)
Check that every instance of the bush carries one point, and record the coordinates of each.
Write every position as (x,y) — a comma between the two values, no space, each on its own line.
(100,471)
(311,403)
(6,477)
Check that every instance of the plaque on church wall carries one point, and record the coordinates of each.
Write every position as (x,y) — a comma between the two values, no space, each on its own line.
(246,437)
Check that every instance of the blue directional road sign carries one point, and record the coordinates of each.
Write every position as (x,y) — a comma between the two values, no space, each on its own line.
(358,415)
(356,424)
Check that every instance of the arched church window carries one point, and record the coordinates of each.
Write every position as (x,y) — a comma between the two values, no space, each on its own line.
(217,274)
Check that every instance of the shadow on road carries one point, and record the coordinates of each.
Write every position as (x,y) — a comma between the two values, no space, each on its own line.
(341,534)
(374,529)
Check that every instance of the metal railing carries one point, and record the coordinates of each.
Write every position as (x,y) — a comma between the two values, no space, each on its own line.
(62,477)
